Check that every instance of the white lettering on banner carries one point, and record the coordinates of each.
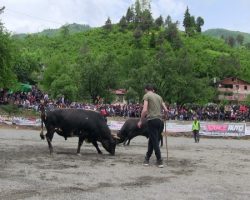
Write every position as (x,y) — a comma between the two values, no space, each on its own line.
(236,128)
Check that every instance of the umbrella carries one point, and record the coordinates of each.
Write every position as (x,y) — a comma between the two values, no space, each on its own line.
(25,87)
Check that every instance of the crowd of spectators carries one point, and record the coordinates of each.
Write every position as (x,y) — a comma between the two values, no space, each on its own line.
(22,99)
(33,99)
(210,112)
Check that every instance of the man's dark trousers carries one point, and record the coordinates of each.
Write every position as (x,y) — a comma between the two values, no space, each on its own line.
(155,126)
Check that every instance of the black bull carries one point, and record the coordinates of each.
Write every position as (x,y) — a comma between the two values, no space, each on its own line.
(84,124)
(130,130)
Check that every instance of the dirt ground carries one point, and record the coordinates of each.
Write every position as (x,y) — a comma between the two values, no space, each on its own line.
(213,169)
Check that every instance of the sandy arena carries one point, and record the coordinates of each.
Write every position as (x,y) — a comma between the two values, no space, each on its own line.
(212,169)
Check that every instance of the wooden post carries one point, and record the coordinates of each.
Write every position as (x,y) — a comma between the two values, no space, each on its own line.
(166,137)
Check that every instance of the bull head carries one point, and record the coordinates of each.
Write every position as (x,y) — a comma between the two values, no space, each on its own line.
(109,145)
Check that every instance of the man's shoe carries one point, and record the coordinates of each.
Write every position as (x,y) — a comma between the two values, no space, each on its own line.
(146,162)
(159,163)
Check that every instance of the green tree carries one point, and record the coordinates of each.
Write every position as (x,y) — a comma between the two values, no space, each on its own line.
(65,31)
(146,20)
(248,45)
(159,22)
(64,85)
(226,66)
(59,78)
(189,23)
(172,35)
(138,12)
(25,65)
(231,41)
(152,41)
(145,5)
(168,21)
(7,76)
(108,25)
(199,24)
(160,39)
(97,75)
(137,37)
(240,39)
(131,96)
(123,24)
(130,15)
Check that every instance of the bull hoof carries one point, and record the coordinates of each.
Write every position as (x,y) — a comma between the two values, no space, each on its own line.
(100,152)
(79,154)
(42,137)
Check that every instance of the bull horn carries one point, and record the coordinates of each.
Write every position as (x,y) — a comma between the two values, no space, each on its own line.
(115,136)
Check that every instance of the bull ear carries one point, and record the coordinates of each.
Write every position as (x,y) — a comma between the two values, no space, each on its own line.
(115,136)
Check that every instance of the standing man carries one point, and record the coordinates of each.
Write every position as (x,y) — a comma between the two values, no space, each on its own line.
(196,128)
(152,107)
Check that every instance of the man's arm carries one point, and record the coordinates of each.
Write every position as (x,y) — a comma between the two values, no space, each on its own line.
(164,106)
(165,114)
(143,113)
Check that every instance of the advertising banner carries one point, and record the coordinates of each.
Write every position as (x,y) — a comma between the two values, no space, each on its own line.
(207,128)
(115,125)
(178,128)
(26,122)
(225,129)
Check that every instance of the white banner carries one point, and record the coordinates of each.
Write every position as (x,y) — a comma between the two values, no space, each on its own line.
(26,122)
(178,128)
(115,125)
(207,128)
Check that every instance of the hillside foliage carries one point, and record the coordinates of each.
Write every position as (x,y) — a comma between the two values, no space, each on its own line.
(233,38)
(139,49)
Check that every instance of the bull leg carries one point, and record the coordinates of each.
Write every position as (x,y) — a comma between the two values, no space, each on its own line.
(43,117)
(49,137)
(41,133)
(96,146)
(131,136)
(124,143)
(80,141)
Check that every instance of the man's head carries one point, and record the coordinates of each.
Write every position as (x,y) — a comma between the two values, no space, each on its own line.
(149,87)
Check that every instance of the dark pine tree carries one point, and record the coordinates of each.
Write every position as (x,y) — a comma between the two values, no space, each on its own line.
(130,15)
(123,24)
(159,22)
(108,25)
